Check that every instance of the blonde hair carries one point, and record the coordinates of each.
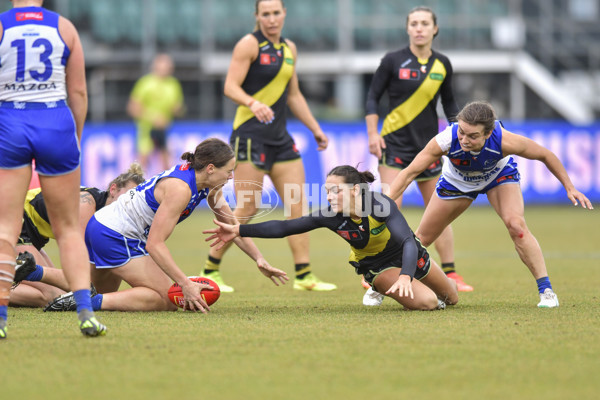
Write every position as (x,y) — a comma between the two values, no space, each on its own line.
(134,174)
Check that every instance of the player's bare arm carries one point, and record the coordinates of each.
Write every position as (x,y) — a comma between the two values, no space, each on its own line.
(299,106)
(527,148)
(87,208)
(425,158)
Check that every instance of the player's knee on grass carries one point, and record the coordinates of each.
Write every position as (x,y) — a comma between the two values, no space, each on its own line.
(452,298)
(27,296)
(425,302)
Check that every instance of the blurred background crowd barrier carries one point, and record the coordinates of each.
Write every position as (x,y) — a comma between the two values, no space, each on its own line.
(109,148)
(536,61)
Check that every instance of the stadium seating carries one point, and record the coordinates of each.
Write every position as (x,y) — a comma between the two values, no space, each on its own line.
(312,24)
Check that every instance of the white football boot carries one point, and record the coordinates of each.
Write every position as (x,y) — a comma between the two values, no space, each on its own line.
(372,298)
(548,299)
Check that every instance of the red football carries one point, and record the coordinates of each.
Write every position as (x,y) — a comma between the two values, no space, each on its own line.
(210,296)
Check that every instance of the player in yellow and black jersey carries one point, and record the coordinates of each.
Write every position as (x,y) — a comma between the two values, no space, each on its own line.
(45,282)
(415,78)
(383,247)
(262,80)
(36,228)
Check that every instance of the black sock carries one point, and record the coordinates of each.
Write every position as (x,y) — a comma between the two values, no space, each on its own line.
(211,265)
(302,270)
(448,267)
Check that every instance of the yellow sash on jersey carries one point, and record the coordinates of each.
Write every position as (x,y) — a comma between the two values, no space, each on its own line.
(379,236)
(416,103)
(40,223)
(272,91)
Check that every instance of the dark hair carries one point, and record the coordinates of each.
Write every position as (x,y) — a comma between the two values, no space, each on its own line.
(134,174)
(352,175)
(479,112)
(211,151)
(426,9)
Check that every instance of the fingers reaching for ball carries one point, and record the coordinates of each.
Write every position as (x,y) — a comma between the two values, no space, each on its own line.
(195,305)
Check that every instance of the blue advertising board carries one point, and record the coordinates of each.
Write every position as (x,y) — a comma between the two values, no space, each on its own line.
(108,150)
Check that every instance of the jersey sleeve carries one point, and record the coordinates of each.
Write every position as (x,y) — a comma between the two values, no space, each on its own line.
(379,84)
(280,229)
(444,139)
(402,234)
(448,102)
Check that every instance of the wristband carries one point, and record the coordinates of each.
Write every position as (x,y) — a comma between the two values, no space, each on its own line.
(251,102)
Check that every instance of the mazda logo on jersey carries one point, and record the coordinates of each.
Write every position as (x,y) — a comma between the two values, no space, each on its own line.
(409,74)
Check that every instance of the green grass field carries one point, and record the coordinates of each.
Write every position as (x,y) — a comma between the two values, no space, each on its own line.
(267,342)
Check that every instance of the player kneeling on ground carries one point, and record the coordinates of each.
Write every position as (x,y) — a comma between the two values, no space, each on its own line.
(126,239)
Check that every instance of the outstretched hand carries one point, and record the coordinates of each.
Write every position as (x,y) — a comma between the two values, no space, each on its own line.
(403,286)
(272,273)
(576,196)
(221,235)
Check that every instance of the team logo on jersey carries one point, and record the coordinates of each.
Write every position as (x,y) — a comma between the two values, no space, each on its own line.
(409,74)
(489,164)
(423,69)
(436,77)
(26,16)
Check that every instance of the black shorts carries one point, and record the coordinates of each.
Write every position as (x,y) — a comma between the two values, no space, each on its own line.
(262,155)
(159,138)
(30,235)
(393,156)
(423,267)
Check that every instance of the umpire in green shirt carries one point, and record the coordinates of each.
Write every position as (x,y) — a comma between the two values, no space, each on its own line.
(155,100)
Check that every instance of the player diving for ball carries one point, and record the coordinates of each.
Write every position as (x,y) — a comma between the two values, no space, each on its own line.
(384,249)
